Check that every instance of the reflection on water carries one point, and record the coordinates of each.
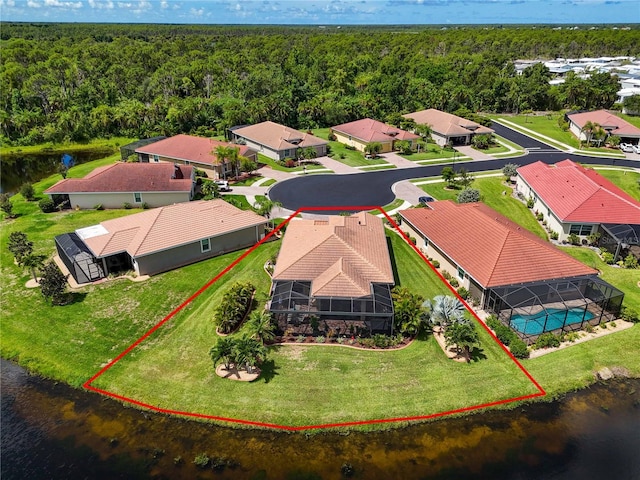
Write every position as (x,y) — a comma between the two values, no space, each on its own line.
(52,431)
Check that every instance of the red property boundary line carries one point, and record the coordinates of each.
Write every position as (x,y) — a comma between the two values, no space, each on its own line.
(88,384)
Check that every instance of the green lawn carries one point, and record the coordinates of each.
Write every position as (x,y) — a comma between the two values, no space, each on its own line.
(313,384)
(341,153)
(247,181)
(491,190)
(68,147)
(433,152)
(263,159)
(627,180)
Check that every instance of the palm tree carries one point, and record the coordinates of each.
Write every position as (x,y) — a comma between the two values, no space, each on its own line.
(222,153)
(250,352)
(223,351)
(263,206)
(261,326)
(464,336)
(445,310)
(589,128)
(32,262)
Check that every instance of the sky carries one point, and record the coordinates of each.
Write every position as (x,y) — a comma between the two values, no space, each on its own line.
(325,12)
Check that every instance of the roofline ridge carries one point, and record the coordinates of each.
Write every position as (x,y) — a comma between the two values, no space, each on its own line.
(159,211)
(360,255)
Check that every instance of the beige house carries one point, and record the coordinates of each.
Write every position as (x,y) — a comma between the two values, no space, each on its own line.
(135,184)
(360,133)
(334,269)
(277,141)
(447,128)
(199,152)
(160,239)
(609,122)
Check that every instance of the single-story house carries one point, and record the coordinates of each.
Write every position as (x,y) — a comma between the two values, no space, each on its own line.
(530,284)
(277,141)
(447,128)
(197,151)
(159,239)
(575,199)
(153,185)
(336,269)
(610,123)
(362,132)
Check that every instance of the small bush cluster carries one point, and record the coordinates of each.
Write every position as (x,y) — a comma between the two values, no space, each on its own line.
(508,337)
(553,235)
(463,292)
(574,239)
(126,205)
(235,304)
(607,257)
(530,203)
(539,216)
(435,263)
(26,190)
(629,315)
(47,205)
(630,261)
(446,275)
(454,282)
(547,340)
(98,206)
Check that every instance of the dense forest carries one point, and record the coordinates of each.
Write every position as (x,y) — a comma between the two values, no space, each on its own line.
(78,81)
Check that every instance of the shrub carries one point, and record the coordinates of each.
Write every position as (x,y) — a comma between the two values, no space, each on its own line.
(202,460)
(530,202)
(144,206)
(574,239)
(539,216)
(454,283)
(126,205)
(588,328)
(630,261)
(435,263)
(607,257)
(26,190)
(570,337)
(463,292)
(629,315)
(367,342)
(99,206)
(5,205)
(553,235)
(492,322)
(290,163)
(510,170)
(446,275)
(505,334)
(519,349)
(235,303)
(47,205)
(547,340)
(332,137)
(469,195)
(320,339)
(413,240)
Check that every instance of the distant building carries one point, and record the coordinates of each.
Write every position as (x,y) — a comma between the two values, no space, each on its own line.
(447,128)
(277,141)
(362,132)
(612,124)
(152,185)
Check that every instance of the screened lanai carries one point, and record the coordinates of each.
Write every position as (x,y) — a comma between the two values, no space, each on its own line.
(554,306)
(292,304)
(620,239)
(78,258)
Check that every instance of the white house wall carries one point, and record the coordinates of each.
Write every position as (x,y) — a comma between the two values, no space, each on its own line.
(118,199)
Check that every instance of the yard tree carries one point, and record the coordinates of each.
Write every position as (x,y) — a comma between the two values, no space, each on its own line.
(510,170)
(444,310)
(373,148)
(468,195)
(53,283)
(247,165)
(32,262)
(408,311)
(19,245)
(263,206)
(588,129)
(6,206)
(632,104)
(27,192)
(449,176)
(464,178)
(223,351)
(463,335)
(222,153)
(249,352)
(261,326)
(210,189)
(482,141)
(423,129)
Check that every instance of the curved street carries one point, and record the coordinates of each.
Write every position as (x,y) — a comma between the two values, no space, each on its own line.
(373,189)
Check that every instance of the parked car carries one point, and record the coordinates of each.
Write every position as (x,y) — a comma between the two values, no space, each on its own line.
(426,199)
(626,147)
(223,185)
(636,148)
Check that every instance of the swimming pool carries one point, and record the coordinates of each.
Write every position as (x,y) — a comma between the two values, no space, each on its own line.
(534,324)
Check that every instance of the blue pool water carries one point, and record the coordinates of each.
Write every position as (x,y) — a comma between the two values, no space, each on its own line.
(534,324)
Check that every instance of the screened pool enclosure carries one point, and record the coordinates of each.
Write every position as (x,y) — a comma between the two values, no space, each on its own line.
(78,259)
(294,307)
(554,306)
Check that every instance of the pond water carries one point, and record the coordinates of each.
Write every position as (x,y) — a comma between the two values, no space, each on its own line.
(52,431)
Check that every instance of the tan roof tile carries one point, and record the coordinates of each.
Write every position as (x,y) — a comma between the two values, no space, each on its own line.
(447,124)
(341,256)
(278,137)
(369,130)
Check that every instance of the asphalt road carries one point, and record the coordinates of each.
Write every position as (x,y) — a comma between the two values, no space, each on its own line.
(373,189)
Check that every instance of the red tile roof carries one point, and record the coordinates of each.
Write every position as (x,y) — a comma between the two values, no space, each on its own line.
(191,149)
(447,124)
(166,227)
(341,256)
(369,130)
(278,137)
(607,120)
(489,247)
(578,194)
(129,177)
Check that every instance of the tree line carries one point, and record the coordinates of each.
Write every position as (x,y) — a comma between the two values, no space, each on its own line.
(76,82)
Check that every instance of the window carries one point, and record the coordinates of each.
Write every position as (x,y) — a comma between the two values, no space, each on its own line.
(156,158)
(137,197)
(205,245)
(580,229)
(460,273)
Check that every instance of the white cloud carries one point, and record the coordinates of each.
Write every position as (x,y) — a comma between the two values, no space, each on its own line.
(196,12)
(59,4)
(7,3)
(32,4)
(108,5)
(164,4)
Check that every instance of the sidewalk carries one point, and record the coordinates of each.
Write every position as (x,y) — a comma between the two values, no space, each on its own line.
(472,153)
(338,167)
(398,161)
